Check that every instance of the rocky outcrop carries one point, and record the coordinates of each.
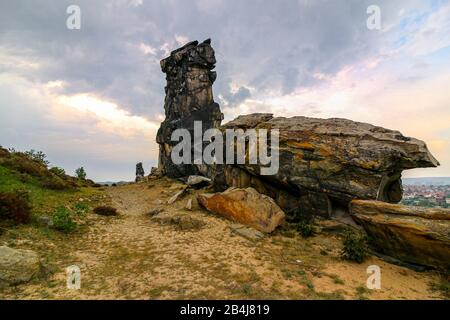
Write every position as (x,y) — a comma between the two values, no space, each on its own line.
(17,265)
(246,206)
(139,172)
(323,163)
(411,234)
(326,163)
(189,74)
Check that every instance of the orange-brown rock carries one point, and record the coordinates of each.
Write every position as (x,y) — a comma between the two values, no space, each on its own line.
(411,234)
(246,206)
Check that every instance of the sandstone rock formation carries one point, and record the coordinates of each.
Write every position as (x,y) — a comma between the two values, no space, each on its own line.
(246,206)
(189,98)
(17,265)
(325,163)
(412,234)
(139,172)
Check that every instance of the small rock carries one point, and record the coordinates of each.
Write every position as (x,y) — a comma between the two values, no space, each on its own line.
(189,205)
(198,181)
(17,265)
(45,221)
(155,211)
(248,233)
(176,196)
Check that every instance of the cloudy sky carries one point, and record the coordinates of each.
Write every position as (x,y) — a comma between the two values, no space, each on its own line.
(94,97)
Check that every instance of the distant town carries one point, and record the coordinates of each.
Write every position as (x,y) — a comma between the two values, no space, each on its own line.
(426,192)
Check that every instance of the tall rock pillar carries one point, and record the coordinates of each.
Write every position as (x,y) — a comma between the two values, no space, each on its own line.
(189,97)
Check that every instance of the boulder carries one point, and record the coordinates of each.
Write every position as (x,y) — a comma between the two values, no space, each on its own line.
(198,181)
(246,206)
(189,98)
(414,235)
(17,265)
(326,163)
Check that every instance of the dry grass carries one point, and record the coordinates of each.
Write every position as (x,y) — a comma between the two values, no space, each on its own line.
(136,257)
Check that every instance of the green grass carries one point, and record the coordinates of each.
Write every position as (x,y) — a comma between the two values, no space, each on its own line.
(43,200)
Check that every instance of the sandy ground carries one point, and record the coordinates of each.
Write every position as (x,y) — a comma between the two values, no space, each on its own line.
(135,257)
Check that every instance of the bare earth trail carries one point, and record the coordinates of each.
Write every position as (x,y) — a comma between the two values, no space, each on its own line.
(135,257)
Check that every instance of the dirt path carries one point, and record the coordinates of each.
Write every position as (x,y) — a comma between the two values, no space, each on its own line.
(135,257)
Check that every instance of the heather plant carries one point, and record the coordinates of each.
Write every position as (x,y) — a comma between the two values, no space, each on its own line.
(15,206)
(355,247)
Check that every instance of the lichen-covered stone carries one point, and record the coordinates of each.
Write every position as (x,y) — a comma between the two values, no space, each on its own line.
(326,163)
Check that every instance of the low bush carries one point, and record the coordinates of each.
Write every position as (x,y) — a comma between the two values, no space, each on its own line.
(106,211)
(60,172)
(15,206)
(63,221)
(355,247)
(55,183)
(81,208)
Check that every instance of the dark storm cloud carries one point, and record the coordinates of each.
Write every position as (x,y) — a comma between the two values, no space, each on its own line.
(268,45)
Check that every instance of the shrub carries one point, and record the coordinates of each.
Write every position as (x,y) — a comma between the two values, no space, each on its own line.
(81,208)
(62,220)
(15,206)
(105,211)
(305,228)
(80,173)
(24,165)
(354,247)
(60,172)
(37,156)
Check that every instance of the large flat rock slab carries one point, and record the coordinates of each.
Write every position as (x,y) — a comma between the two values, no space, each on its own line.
(411,234)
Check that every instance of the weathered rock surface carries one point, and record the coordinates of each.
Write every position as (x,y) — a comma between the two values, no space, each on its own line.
(17,265)
(248,233)
(326,163)
(198,181)
(139,172)
(411,234)
(189,98)
(246,206)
